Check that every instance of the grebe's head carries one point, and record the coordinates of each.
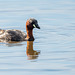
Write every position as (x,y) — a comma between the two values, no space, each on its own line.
(32,23)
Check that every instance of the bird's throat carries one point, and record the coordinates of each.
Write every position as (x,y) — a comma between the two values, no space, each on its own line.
(30,35)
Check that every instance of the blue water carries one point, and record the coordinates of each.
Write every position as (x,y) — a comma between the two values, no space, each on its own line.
(55,40)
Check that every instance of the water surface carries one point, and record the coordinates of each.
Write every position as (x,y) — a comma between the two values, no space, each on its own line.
(55,40)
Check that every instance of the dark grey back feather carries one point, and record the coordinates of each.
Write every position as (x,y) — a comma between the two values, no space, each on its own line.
(14,35)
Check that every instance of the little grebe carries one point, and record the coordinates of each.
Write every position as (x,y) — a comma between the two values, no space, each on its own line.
(17,35)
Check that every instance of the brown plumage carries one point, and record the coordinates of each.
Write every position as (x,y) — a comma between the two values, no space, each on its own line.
(17,35)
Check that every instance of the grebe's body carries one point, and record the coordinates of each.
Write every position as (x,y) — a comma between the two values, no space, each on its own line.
(17,35)
(12,35)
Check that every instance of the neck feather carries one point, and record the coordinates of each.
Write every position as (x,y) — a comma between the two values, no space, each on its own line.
(29,34)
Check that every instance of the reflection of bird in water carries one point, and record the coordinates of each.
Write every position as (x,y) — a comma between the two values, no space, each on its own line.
(32,54)
(17,35)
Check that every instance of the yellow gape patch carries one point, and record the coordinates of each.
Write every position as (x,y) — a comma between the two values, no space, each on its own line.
(34,26)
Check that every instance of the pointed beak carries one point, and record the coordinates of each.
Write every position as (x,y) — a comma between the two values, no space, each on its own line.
(36,26)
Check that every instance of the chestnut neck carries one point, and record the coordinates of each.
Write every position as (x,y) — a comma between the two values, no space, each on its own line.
(29,30)
(29,33)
